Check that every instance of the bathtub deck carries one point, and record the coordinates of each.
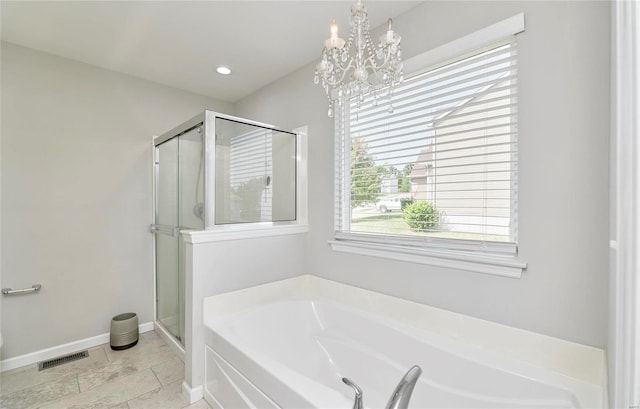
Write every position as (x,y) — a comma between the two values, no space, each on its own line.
(295,339)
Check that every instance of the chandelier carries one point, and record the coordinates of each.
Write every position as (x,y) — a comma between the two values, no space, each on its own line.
(354,68)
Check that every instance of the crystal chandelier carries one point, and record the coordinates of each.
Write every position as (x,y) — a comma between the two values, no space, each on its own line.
(356,67)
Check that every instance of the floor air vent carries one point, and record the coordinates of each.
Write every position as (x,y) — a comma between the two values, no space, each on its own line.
(62,360)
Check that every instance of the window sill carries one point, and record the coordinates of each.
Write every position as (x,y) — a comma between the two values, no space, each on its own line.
(485,264)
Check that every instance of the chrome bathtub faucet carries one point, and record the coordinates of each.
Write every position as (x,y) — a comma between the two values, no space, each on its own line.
(400,397)
(401,394)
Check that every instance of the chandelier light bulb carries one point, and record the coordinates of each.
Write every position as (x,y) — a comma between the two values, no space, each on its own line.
(354,67)
(334,41)
(390,32)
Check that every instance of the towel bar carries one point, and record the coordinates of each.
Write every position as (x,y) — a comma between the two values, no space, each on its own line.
(33,289)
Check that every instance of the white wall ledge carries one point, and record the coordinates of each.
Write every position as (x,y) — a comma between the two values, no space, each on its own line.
(500,266)
(242,231)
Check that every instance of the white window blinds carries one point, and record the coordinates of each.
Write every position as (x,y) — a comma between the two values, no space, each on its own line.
(446,155)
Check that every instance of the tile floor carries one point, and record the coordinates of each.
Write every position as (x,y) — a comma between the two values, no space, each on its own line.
(148,376)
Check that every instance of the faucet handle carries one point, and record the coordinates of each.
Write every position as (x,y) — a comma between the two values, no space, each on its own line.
(357,404)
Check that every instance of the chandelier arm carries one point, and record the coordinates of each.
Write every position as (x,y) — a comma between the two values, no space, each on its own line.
(375,68)
(377,74)
(372,64)
(344,69)
(385,61)
(344,73)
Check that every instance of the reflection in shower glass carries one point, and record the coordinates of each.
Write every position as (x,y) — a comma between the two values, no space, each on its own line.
(255,173)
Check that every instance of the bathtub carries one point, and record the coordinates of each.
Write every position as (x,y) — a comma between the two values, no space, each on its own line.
(293,351)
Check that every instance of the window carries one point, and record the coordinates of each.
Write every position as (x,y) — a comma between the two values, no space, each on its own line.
(434,167)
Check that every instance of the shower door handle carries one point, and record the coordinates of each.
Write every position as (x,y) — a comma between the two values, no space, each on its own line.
(172,231)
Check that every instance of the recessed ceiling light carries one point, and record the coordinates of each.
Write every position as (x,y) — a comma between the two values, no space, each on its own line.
(223,70)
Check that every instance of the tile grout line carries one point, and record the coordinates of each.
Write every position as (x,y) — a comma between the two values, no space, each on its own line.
(156,375)
(78,383)
(138,370)
(153,390)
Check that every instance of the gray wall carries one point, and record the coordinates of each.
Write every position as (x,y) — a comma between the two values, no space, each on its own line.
(76,194)
(563,183)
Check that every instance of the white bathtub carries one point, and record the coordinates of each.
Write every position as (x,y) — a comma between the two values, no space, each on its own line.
(292,352)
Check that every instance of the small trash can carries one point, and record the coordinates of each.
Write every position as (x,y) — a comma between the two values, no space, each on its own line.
(124,331)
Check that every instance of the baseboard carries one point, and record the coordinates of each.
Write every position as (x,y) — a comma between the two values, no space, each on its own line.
(192,394)
(48,353)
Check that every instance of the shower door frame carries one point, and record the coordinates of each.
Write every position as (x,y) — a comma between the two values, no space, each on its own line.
(175,343)
(206,120)
(208,123)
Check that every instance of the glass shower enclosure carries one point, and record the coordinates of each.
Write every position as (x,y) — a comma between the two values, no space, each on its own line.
(214,170)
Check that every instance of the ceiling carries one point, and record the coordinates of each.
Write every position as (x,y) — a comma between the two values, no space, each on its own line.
(180,43)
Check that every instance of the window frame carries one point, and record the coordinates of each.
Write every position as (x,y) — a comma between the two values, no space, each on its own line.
(485,257)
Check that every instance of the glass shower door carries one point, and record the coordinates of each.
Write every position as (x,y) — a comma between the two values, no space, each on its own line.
(167,238)
(178,206)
